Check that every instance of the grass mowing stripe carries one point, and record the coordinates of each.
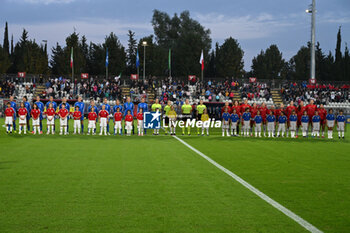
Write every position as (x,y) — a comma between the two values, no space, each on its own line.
(308,226)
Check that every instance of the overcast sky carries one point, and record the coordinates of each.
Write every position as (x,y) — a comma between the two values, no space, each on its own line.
(255,23)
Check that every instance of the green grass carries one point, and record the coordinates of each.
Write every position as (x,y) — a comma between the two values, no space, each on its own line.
(80,183)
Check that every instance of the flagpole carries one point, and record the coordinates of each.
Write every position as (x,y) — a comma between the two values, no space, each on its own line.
(169,62)
(107,62)
(202,76)
(72,60)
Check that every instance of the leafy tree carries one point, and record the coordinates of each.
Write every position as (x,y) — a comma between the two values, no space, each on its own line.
(186,37)
(116,53)
(268,64)
(300,64)
(230,59)
(131,53)
(28,56)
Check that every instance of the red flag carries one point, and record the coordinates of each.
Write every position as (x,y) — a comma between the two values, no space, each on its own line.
(71,58)
(201,60)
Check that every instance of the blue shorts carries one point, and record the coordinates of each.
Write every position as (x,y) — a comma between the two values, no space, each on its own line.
(82,118)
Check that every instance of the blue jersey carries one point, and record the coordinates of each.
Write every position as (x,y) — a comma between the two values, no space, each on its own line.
(96,110)
(28,107)
(226,116)
(258,119)
(81,107)
(234,117)
(54,105)
(305,119)
(330,117)
(14,106)
(293,118)
(271,118)
(67,106)
(142,106)
(340,118)
(316,119)
(282,119)
(246,116)
(127,107)
(40,106)
(117,106)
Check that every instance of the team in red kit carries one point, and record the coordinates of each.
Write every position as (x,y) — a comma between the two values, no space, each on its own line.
(267,121)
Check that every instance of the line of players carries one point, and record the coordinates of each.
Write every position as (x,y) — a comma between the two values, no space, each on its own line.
(51,110)
(281,121)
(264,120)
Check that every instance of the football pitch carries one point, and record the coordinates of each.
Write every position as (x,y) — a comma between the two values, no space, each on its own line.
(80,183)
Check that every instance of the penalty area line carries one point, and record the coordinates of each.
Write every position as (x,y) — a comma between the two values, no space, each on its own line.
(308,226)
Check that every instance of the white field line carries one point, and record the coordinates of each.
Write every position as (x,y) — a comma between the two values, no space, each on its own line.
(308,226)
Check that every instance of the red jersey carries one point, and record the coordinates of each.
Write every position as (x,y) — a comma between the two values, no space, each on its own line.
(118,116)
(278,112)
(103,114)
(238,109)
(253,111)
(244,106)
(35,113)
(128,118)
(289,110)
(50,112)
(9,112)
(63,113)
(301,110)
(229,109)
(323,113)
(92,116)
(311,110)
(22,112)
(263,112)
(77,115)
(139,116)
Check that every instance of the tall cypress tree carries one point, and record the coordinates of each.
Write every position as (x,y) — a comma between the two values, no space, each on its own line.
(338,58)
(12,44)
(6,45)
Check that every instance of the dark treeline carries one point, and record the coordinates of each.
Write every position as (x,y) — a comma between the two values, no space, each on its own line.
(186,38)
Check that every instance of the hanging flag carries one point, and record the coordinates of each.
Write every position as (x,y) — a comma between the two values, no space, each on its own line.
(107,58)
(116,78)
(169,60)
(201,60)
(137,59)
(71,58)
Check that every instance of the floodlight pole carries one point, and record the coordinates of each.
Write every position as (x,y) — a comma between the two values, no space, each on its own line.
(312,10)
(144,44)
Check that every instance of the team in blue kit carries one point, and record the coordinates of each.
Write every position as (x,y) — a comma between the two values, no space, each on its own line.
(282,121)
(41,107)
(234,123)
(257,123)
(225,122)
(246,122)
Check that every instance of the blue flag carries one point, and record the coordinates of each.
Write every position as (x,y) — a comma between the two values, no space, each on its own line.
(137,59)
(107,58)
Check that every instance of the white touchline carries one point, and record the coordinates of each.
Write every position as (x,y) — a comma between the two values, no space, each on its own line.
(308,226)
